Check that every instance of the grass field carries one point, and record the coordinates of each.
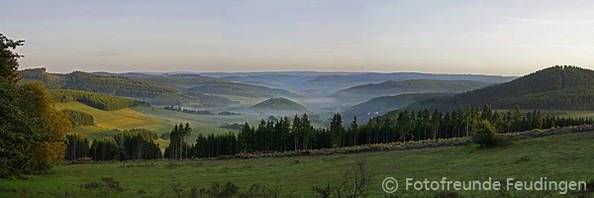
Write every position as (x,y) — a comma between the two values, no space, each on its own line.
(202,123)
(108,121)
(560,157)
(158,120)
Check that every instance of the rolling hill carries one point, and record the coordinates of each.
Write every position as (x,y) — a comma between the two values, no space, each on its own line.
(557,87)
(209,85)
(108,122)
(155,89)
(381,105)
(112,85)
(238,89)
(322,83)
(281,104)
(368,91)
(180,81)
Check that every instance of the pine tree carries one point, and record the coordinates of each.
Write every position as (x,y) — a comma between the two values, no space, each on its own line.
(337,130)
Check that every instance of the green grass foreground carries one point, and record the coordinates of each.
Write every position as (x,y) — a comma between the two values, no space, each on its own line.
(558,157)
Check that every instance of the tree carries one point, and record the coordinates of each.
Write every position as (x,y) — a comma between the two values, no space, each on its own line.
(9,59)
(174,142)
(187,132)
(485,134)
(32,132)
(54,125)
(77,146)
(435,123)
(516,117)
(296,131)
(354,130)
(337,130)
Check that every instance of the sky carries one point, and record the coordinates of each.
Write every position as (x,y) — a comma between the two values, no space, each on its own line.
(476,37)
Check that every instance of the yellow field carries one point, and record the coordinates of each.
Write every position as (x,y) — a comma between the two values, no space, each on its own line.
(121,119)
(93,132)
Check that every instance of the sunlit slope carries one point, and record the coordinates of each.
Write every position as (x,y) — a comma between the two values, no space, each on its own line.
(154,119)
(120,119)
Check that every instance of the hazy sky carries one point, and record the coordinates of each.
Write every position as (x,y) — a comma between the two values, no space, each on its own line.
(465,36)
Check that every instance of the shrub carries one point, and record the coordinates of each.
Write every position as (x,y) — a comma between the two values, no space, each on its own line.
(485,134)
(107,185)
(216,190)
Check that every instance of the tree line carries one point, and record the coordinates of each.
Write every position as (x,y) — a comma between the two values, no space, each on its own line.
(97,100)
(190,111)
(284,134)
(79,118)
(127,145)
(401,126)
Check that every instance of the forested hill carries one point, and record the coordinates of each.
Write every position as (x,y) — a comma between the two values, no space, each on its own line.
(180,81)
(281,104)
(100,101)
(112,85)
(238,89)
(210,85)
(368,91)
(558,87)
(381,105)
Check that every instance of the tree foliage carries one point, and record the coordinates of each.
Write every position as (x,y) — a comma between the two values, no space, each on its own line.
(32,132)
(485,134)
(77,147)
(127,145)
(178,145)
(97,100)
(9,59)
(79,118)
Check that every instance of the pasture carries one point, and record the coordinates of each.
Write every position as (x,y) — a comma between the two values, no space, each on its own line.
(558,157)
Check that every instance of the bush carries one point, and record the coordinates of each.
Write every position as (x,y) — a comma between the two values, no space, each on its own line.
(485,134)
(107,185)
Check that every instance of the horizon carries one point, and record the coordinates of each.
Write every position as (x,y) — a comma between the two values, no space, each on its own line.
(295,71)
(478,37)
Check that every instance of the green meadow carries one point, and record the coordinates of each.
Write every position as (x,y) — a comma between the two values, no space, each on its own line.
(559,157)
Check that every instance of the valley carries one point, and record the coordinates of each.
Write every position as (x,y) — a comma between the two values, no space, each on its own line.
(320,99)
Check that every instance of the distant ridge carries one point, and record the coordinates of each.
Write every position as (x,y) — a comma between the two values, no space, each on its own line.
(112,85)
(368,91)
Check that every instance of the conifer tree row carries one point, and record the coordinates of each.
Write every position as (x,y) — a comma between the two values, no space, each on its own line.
(128,145)
(178,145)
(405,125)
